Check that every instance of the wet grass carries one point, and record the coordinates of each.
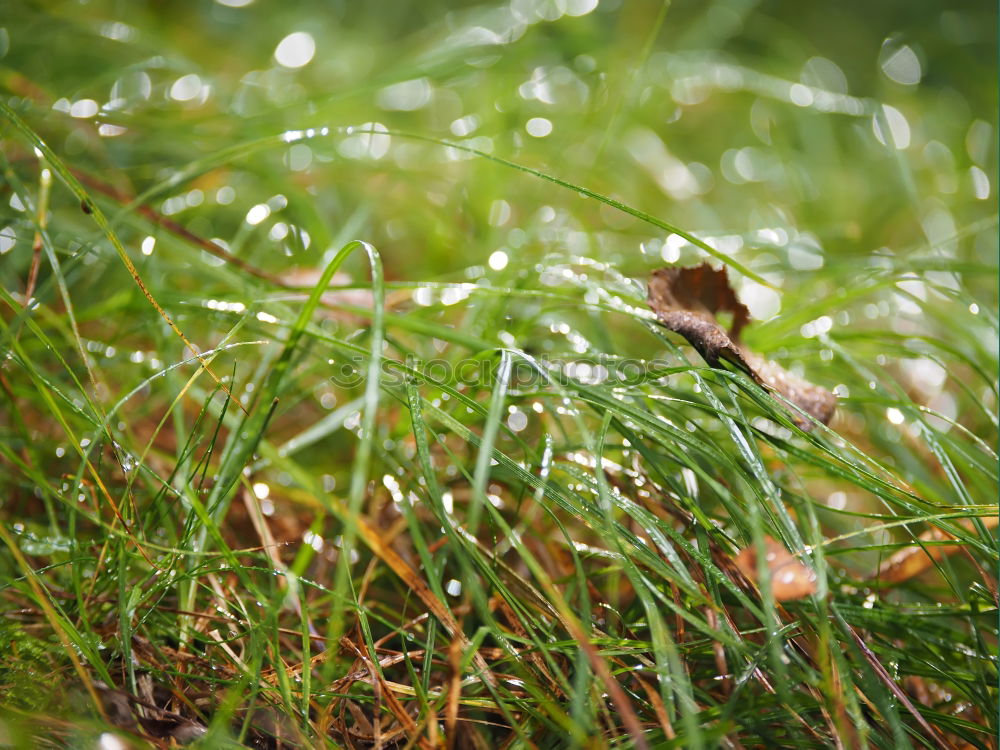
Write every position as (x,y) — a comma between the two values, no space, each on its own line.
(333,413)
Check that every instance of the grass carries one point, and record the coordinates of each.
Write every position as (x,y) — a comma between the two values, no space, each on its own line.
(333,414)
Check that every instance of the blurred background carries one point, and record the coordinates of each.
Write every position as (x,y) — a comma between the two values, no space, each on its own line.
(804,135)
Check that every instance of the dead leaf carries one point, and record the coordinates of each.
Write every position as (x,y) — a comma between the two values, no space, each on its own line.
(790,578)
(307,278)
(155,722)
(116,706)
(913,560)
(689,300)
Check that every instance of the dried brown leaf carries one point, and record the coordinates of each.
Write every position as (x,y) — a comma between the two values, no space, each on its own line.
(913,560)
(689,300)
(790,578)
